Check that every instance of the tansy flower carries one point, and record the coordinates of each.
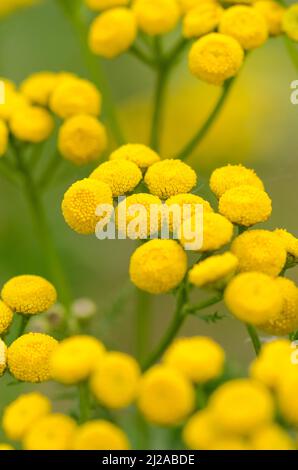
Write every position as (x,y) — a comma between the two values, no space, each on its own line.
(199,358)
(14,101)
(170,177)
(6,316)
(260,250)
(241,405)
(202,19)
(81,201)
(246,24)
(82,139)
(29,294)
(254,298)
(75,96)
(39,86)
(290,22)
(29,357)
(232,176)
(200,433)
(271,437)
(100,435)
(139,154)
(183,206)
(3,137)
(215,57)
(31,124)
(158,266)
(122,176)
(156,17)
(287,395)
(99,5)
(21,414)
(113,32)
(245,205)
(230,443)
(116,379)
(287,320)
(6,447)
(273,13)
(3,357)
(216,269)
(290,242)
(75,359)
(53,432)
(166,397)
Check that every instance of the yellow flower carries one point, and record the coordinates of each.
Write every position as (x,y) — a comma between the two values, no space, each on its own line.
(199,358)
(166,397)
(82,139)
(121,175)
(75,359)
(80,202)
(6,447)
(14,101)
(75,96)
(272,437)
(3,357)
(29,294)
(39,86)
(290,242)
(53,432)
(100,435)
(29,357)
(116,379)
(273,13)
(241,405)
(245,24)
(287,395)
(199,433)
(158,266)
(113,32)
(287,321)
(177,204)
(216,269)
(245,205)
(6,316)
(187,5)
(202,19)
(230,443)
(99,5)
(232,176)
(3,137)
(21,414)
(215,57)
(254,298)
(170,177)
(31,124)
(290,22)
(260,250)
(139,154)
(156,17)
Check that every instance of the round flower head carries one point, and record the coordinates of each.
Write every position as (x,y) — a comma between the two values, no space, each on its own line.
(52,432)
(241,405)
(116,379)
(3,138)
(139,215)
(245,205)
(29,357)
(3,357)
(232,176)
(290,22)
(216,269)
(202,19)
(260,250)
(39,86)
(139,154)
(215,57)
(170,177)
(31,124)
(29,294)
(199,358)
(166,397)
(290,242)
(14,101)
(271,437)
(158,266)
(75,359)
(273,13)
(287,321)
(183,206)
(287,395)
(230,443)
(82,139)
(100,435)
(6,316)
(156,17)
(113,32)
(122,176)
(75,96)
(98,5)
(254,298)
(81,201)
(21,414)
(199,433)
(6,447)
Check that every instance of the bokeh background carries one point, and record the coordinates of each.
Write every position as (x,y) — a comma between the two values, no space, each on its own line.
(258,127)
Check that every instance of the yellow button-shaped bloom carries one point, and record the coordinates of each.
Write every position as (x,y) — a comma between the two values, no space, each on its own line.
(53,432)
(232,176)
(272,437)
(254,298)
(6,316)
(98,5)
(29,294)
(29,357)
(122,176)
(290,241)
(202,19)
(287,395)
(183,206)
(156,17)
(215,269)
(113,32)
(273,13)
(3,357)
(100,435)
(230,443)
(200,432)
(31,124)
(13,102)
(39,86)
(139,154)
(158,266)
(3,137)
(290,22)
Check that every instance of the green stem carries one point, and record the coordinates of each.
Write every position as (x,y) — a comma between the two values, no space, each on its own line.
(254,338)
(23,322)
(84,402)
(193,309)
(158,106)
(143,323)
(50,171)
(142,56)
